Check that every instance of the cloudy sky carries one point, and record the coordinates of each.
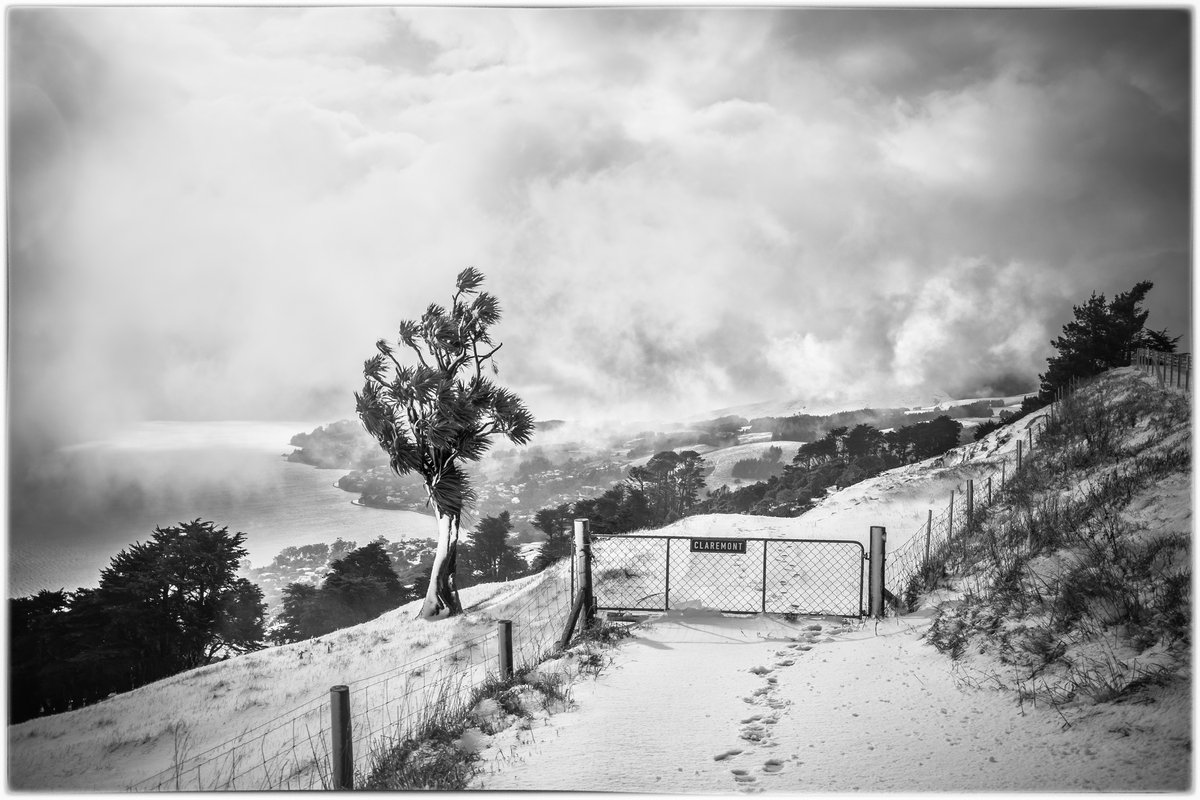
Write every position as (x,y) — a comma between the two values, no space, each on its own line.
(215,212)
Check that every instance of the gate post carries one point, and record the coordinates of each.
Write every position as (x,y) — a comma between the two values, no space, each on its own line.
(583,547)
(875,586)
(764,577)
(667,580)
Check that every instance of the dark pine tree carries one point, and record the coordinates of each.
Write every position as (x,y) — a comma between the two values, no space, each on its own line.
(493,559)
(362,585)
(1101,336)
(558,525)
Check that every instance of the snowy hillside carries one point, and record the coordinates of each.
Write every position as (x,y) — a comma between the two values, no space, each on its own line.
(772,704)
(898,499)
(722,461)
(132,737)
(721,703)
(700,704)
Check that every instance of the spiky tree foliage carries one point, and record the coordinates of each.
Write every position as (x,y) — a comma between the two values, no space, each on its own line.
(1102,335)
(433,416)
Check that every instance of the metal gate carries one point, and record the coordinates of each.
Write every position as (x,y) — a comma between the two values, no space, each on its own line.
(660,573)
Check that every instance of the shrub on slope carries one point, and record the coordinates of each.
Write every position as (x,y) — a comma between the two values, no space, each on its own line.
(1080,580)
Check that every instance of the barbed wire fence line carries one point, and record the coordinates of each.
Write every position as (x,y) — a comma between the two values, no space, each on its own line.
(1171,369)
(295,750)
(950,534)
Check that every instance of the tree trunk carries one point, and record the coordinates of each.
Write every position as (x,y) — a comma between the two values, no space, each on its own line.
(441,598)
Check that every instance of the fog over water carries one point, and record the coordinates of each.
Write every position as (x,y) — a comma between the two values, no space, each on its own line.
(87,502)
(215,212)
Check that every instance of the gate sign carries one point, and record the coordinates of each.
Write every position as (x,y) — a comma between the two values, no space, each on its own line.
(718,545)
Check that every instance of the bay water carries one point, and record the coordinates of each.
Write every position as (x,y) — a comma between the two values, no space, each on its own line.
(72,512)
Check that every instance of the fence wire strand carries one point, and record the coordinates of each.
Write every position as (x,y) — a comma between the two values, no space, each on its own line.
(292,751)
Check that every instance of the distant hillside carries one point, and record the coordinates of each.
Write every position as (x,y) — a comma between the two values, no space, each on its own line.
(1078,589)
(1049,628)
(338,445)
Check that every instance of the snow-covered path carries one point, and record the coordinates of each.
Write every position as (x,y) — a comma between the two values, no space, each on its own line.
(700,703)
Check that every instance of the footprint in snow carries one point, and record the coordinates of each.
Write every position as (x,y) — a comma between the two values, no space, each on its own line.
(760,670)
(787,662)
(741,776)
(754,718)
(813,627)
(754,733)
(772,765)
(727,754)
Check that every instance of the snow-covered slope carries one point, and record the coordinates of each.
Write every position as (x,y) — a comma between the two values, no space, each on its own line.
(898,499)
(723,460)
(698,702)
(834,705)
(128,738)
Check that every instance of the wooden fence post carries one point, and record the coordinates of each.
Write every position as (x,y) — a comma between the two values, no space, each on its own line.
(878,557)
(928,533)
(583,546)
(1019,443)
(950,529)
(341,737)
(504,631)
(576,607)
(989,490)
(970,503)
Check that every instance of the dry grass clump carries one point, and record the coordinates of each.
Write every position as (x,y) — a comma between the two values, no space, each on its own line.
(442,754)
(1077,596)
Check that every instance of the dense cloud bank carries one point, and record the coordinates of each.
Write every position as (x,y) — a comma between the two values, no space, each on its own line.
(216,211)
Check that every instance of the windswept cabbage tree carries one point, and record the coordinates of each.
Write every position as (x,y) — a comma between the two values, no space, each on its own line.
(433,416)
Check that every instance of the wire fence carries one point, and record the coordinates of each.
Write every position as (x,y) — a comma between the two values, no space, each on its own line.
(1171,369)
(927,549)
(293,751)
(748,575)
(970,502)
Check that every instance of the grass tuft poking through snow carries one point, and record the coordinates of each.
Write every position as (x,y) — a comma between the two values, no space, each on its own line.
(443,754)
(1078,585)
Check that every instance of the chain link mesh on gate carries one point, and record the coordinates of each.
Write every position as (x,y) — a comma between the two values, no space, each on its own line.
(659,573)
(814,577)
(630,573)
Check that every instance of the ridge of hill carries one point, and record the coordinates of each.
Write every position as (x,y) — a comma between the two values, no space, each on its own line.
(1035,677)
(116,743)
